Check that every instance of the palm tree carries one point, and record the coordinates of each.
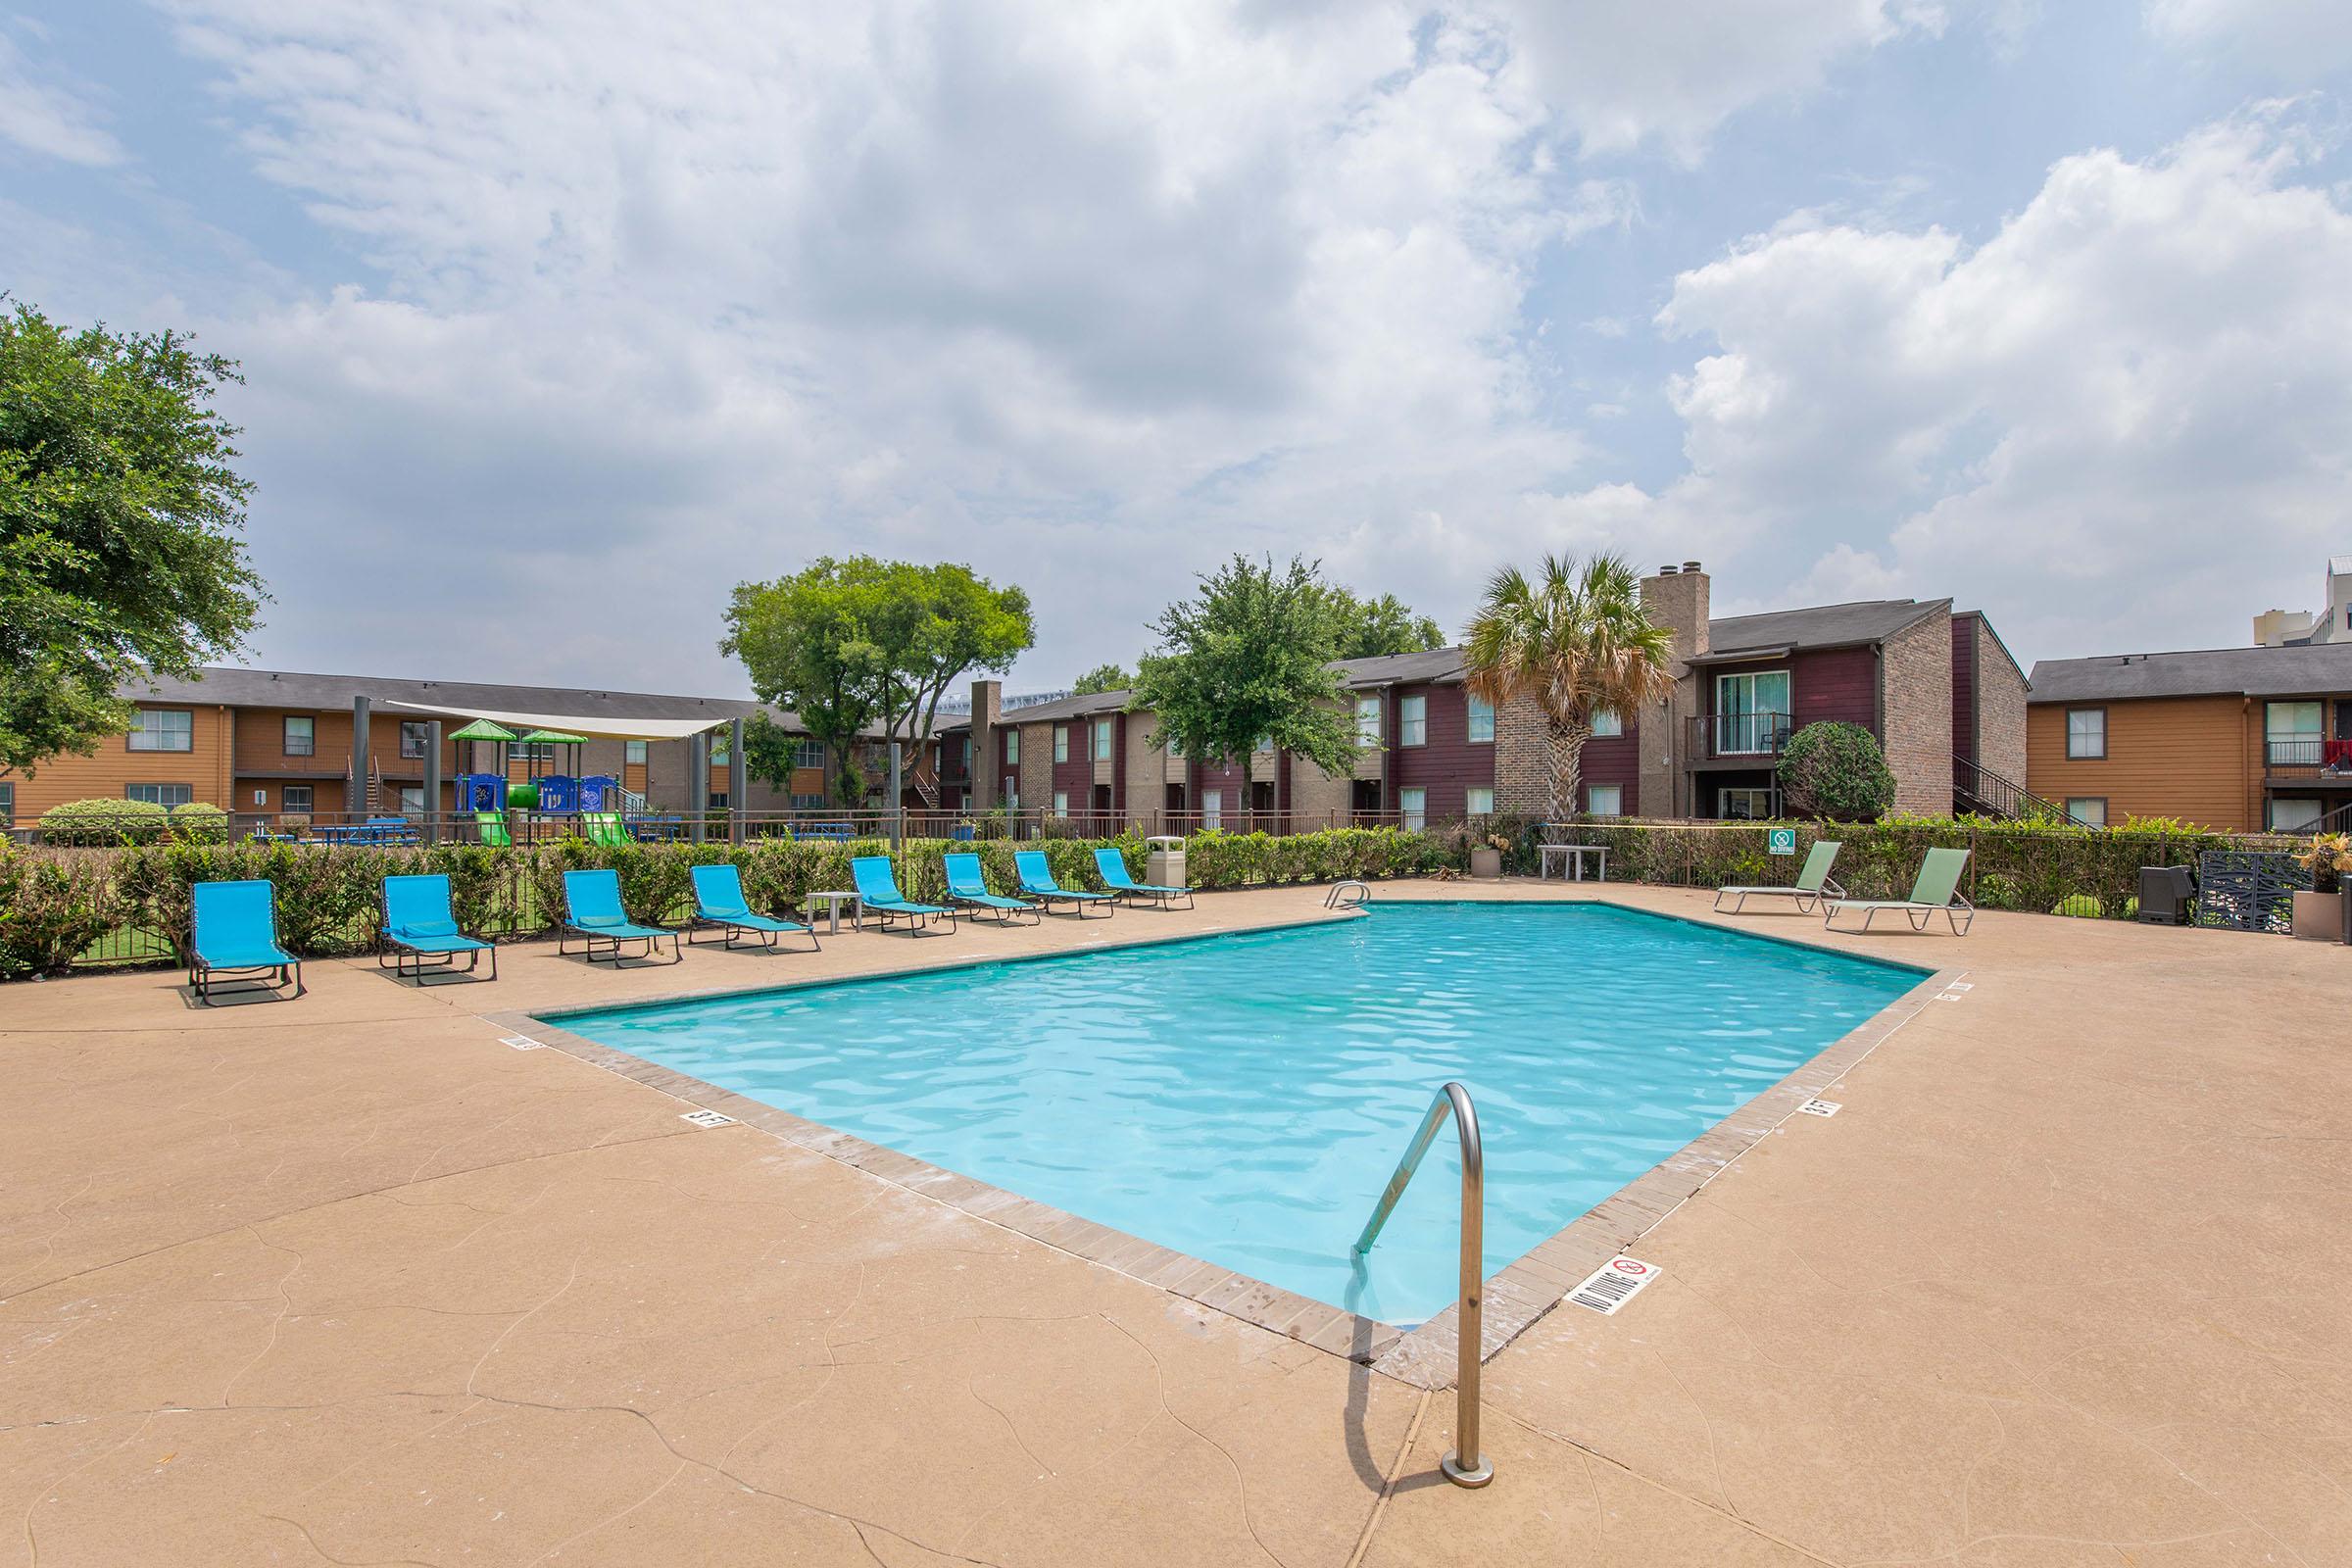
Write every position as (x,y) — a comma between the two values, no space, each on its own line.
(1574,642)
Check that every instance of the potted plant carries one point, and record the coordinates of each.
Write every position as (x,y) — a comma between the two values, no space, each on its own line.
(2325,915)
(1486,858)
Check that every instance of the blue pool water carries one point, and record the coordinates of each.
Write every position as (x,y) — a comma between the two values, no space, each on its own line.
(1244,1097)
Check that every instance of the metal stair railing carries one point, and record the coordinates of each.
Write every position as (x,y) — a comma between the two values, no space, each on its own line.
(2004,798)
(1473,1471)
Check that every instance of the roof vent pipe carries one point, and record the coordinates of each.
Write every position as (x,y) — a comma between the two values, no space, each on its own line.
(1667,570)
(1689,566)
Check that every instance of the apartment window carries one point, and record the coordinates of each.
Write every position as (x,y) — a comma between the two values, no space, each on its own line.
(2088,810)
(1367,721)
(1212,809)
(160,794)
(807,803)
(412,798)
(1061,803)
(1751,711)
(412,738)
(809,754)
(302,735)
(1743,805)
(1482,721)
(1412,803)
(1604,799)
(1478,801)
(719,748)
(1607,724)
(1061,743)
(1101,740)
(2294,816)
(1412,721)
(164,729)
(2087,732)
(294,798)
(8,804)
(632,754)
(533,752)
(1013,748)
(2292,733)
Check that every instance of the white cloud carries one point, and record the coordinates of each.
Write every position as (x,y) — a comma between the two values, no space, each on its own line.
(2298,40)
(2124,420)
(45,112)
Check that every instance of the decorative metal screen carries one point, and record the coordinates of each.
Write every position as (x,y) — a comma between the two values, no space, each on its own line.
(2246,890)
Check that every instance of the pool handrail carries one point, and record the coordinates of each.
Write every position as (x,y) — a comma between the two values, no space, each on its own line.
(1363,894)
(1467,1328)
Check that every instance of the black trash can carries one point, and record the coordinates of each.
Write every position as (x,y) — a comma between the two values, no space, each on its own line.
(2165,893)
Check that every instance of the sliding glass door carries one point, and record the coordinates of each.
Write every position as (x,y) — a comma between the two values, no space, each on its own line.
(1751,712)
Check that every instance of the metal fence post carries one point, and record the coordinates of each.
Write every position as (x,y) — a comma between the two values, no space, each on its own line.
(739,782)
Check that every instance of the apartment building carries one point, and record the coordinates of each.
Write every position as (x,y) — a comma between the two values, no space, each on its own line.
(269,744)
(2240,739)
(2331,622)
(1938,687)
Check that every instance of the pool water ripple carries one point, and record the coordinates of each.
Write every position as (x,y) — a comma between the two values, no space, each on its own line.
(1244,1097)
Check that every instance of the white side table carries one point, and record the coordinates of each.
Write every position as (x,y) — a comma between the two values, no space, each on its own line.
(1570,860)
(833,899)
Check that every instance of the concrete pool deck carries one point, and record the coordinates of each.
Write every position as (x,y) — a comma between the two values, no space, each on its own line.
(350,1280)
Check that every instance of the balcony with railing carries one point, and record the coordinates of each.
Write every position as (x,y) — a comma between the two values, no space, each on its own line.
(1735,739)
(2308,759)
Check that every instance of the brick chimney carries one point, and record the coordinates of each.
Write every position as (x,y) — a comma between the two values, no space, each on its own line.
(988,713)
(1677,598)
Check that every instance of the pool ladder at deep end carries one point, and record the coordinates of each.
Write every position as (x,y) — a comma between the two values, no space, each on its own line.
(1465,1466)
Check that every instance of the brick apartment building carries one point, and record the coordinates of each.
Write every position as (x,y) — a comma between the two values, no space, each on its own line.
(1935,686)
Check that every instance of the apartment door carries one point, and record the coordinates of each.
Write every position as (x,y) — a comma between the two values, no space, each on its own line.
(1751,711)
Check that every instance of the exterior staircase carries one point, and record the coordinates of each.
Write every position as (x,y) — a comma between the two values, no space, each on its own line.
(1987,793)
(371,796)
(926,787)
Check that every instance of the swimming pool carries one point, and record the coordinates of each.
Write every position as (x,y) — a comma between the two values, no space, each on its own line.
(1244,1097)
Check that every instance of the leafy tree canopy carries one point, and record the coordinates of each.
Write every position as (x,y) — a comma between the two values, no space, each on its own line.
(1244,665)
(848,643)
(1367,628)
(1837,770)
(1103,678)
(121,517)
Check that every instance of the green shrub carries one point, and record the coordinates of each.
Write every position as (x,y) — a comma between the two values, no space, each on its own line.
(104,821)
(199,823)
(52,907)
(1836,771)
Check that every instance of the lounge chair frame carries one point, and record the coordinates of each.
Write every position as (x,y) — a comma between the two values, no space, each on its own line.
(1158,893)
(1054,892)
(208,980)
(1807,899)
(1920,912)
(917,916)
(1007,910)
(766,934)
(410,961)
(614,936)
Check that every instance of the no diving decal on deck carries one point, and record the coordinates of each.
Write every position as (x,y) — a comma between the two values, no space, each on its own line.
(1821,1108)
(708,1118)
(520,1042)
(1613,1283)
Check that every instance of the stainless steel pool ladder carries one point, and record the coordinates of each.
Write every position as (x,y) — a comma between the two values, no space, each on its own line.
(1334,900)
(1473,1470)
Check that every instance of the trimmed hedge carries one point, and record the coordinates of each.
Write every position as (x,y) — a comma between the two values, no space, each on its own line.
(105,821)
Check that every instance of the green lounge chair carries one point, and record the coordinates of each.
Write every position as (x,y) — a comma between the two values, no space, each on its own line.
(1811,887)
(592,912)
(233,946)
(1938,889)
(1037,882)
(718,902)
(878,894)
(492,826)
(420,930)
(1111,866)
(967,888)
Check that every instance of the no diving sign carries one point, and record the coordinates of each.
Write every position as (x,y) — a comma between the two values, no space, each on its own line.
(1780,841)
(1613,1283)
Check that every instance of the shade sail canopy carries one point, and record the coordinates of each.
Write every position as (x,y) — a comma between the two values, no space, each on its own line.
(482,729)
(574,727)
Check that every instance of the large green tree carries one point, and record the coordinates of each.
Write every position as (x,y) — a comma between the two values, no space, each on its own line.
(121,523)
(1367,628)
(1101,678)
(1246,663)
(1572,641)
(851,642)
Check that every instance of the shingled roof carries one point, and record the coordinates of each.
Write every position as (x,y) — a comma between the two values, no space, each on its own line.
(1866,620)
(2306,669)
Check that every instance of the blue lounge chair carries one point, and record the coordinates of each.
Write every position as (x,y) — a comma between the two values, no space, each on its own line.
(233,944)
(718,902)
(420,930)
(1111,866)
(878,894)
(1037,882)
(967,887)
(592,912)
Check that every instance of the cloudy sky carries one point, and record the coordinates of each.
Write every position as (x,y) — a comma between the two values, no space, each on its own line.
(560,319)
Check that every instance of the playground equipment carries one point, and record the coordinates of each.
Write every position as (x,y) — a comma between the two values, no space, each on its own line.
(481,792)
